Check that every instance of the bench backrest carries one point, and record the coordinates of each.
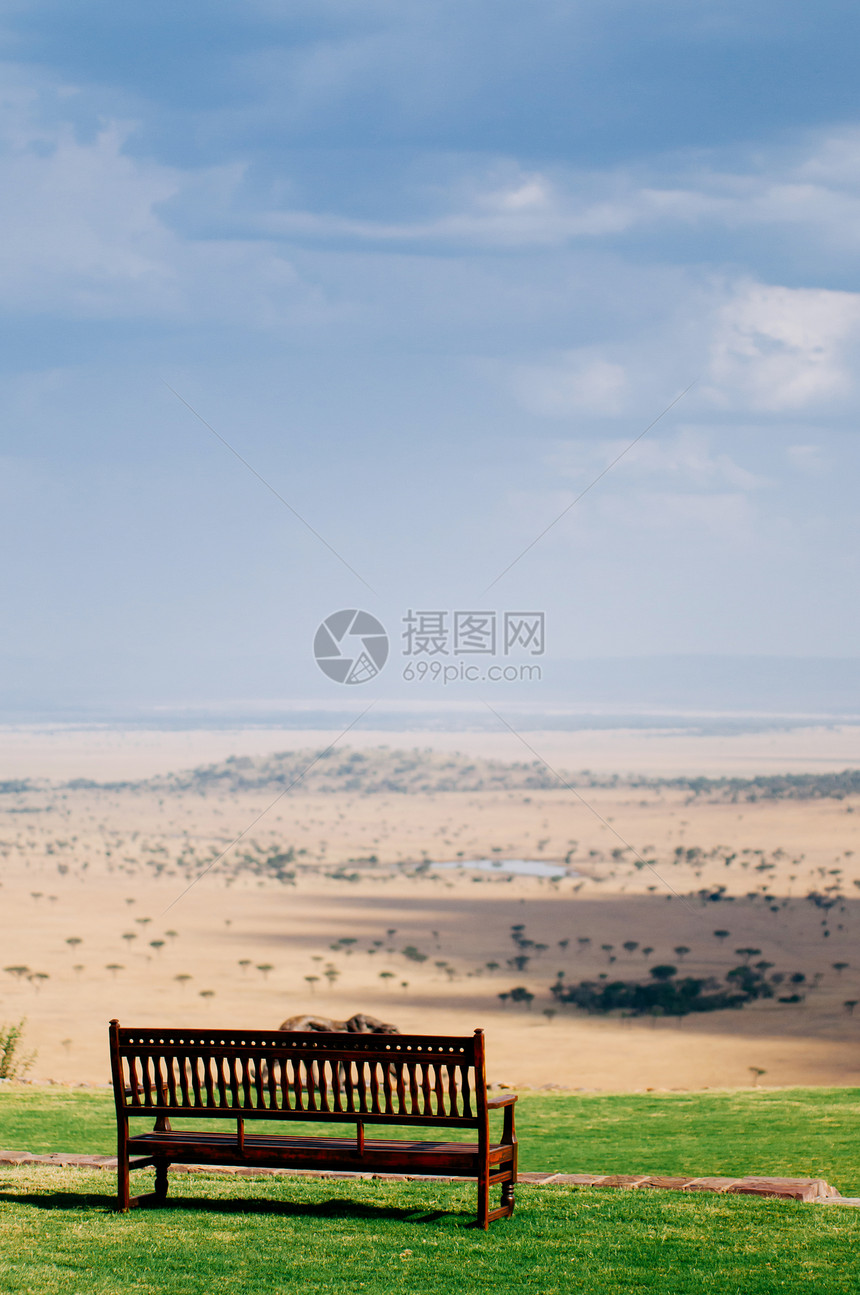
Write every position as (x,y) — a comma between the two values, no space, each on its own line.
(269,1074)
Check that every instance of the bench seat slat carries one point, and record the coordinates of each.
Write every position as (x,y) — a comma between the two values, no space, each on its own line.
(381,1155)
(331,1117)
(178,1138)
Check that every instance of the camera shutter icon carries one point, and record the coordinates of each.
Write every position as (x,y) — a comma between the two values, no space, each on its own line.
(351,646)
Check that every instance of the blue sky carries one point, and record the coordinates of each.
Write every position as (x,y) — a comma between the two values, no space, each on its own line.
(429,268)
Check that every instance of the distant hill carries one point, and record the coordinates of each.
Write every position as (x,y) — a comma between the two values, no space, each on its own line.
(384,771)
(783,786)
(377,772)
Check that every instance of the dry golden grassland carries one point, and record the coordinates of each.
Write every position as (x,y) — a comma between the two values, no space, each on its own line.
(334,901)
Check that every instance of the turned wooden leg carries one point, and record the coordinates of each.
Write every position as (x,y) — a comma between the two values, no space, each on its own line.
(508,1197)
(161,1181)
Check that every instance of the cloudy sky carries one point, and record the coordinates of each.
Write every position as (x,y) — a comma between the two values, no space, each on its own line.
(428,268)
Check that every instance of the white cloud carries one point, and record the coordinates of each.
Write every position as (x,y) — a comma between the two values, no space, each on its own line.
(808,459)
(776,348)
(530,194)
(528,211)
(813,190)
(83,233)
(573,382)
(685,459)
(725,515)
(749,348)
(92,230)
(80,223)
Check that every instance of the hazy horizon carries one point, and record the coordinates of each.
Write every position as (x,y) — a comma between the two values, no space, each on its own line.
(608,691)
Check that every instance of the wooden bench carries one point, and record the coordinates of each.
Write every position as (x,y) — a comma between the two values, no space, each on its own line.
(253,1075)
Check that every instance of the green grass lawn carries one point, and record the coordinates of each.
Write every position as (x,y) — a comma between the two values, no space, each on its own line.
(799,1132)
(59,1236)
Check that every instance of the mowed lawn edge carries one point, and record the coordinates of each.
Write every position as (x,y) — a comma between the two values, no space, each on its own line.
(59,1235)
(790,1132)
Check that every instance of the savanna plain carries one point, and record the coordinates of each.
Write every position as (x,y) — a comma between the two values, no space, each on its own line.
(251,887)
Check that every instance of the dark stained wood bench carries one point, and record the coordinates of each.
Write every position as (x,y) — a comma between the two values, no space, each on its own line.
(253,1075)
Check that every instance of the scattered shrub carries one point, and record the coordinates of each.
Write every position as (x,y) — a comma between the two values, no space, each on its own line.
(13,1065)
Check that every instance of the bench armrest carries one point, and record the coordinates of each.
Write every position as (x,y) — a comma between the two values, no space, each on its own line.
(505,1102)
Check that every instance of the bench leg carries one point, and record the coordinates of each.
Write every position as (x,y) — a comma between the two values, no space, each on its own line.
(122,1184)
(160,1181)
(508,1197)
(484,1202)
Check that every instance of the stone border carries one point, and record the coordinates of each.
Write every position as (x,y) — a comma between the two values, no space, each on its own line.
(810,1190)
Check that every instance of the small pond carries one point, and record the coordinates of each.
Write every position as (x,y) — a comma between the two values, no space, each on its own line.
(529,867)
